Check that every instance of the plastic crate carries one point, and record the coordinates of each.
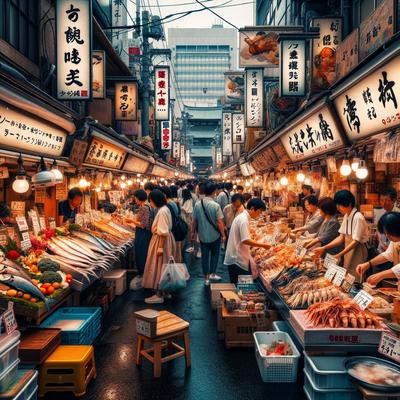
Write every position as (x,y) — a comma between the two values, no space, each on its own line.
(327,372)
(117,278)
(283,326)
(79,325)
(247,287)
(9,349)
(276,368)
(314,393)
(8,375)
(29,391)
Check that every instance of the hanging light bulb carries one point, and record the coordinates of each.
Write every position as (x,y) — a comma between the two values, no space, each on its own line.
(307,181)
(284,181)
(83,182)
(123,177)
(345,168)
(98,189)
(43,178)
(145,180)
(355,163)
(362,171)
(58,176)
(138,175)
(123,185)
(247,184)
(300,176)
(176,173)
(225,174)
(130,182)
(21,184)
(234,187)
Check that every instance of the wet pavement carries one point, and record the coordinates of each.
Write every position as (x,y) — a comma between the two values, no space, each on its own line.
(216,373)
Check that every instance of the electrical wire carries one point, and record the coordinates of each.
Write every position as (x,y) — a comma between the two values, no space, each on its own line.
(127,11)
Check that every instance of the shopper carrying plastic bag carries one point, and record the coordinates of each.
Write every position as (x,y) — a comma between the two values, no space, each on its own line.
(173,276)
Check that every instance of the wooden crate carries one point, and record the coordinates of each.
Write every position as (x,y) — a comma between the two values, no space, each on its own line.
(220,324)
(239,327)
(216,289)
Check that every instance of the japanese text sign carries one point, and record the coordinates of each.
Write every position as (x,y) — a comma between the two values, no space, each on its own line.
(8,317)
(324,52)
(315,134)
(182,158)
(378,28)
(218,157)
(363,299)
(105,154)
(166,135)
(23,132)
(292,69)
(98,74)
(175,150)
(161,93)
(187,157)
(347,55)
(226,134)
(254,97)
(119,17)
(238,128)
(74,58)
(126,94)
(373,104)
(390,346)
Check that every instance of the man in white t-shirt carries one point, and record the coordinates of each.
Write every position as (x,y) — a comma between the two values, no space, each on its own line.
(237,256)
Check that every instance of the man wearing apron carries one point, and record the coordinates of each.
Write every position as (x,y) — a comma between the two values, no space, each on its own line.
(389,224)
(353,233)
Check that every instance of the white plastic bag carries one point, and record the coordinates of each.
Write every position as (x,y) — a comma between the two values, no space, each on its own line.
(136,283)
(173,276)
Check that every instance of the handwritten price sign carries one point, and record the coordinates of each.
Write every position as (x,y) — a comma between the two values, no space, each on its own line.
(390,346)
(363,299)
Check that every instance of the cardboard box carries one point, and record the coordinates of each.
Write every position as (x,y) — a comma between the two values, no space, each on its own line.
(216,289)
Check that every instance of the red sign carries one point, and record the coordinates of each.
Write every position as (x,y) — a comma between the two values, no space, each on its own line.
(166,136)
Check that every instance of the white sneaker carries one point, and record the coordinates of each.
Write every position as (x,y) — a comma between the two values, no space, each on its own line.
(198,255)
(189,250)
(207,282)
(215,277)
(154,300)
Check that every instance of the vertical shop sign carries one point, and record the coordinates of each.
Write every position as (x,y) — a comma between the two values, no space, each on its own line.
(187,157)
(238,128)
(324,52)
(226,134)
(126,94)
(292,69)
(182,160)
(74,47)
(347,55)
(219,157)
(166,136)
(161,93)
(373,104)
(98,74)
(254,97)
(120,36)
(175,150)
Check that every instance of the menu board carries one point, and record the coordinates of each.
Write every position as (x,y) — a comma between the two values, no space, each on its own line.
(105,154)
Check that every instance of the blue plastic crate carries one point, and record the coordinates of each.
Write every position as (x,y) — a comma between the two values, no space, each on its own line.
(247,287)
(84,332)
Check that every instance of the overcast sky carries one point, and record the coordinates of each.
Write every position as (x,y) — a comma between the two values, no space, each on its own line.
(235,11)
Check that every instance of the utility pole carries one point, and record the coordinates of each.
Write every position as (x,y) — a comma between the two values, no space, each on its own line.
(145,74)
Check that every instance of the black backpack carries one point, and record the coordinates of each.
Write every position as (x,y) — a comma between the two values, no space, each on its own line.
(180,228)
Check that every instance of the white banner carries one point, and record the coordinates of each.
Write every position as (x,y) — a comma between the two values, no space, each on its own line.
(187,157)
(238,128)
(126,94)
(98,74)
(175,150)
(226,134)
(74,32)
(292,71)
(182,160)
(166,135)
(161,93)
(254,97)
(119,39)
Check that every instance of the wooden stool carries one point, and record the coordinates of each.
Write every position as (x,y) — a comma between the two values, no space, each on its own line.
(169,328)
(68,369)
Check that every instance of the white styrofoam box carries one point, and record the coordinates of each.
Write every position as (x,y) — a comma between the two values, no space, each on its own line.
(8,375)
(9,349)
(327,372)
(118,279)
(216,289)
(314,393)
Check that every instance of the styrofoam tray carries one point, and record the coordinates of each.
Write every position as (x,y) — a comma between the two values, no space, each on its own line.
(311,335)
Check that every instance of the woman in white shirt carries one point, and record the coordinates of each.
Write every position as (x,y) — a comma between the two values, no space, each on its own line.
(353,233)
(388,225)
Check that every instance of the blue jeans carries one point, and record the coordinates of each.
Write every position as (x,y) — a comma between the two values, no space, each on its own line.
(210,256)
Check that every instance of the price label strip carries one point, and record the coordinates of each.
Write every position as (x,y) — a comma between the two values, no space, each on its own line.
(348,282)
(329,260)
(22,224)
(330,272)
(35,225)
(42,222)
(339,276)
(363,299)
(389,346)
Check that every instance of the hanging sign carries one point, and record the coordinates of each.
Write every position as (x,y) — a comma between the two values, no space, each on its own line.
(347,55)
(187,157)
(98,74)
(238,133)
(161,93)
(378,28)
(119,17)
(234,87)
(254,97)
(175,149)
(22,132)
(78,151)
(166,135)
(74,32)
(182,160)
(105,154)
(226,134)
(17,208)
(292,71)
(4,174)
(218,157)
(324,52)
(126,94)
(317,133)
(40,195)
(373,104)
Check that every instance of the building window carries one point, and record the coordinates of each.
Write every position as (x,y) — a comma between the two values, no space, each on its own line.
(19,26)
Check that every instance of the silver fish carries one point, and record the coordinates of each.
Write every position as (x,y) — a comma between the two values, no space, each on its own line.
(72,248)
(6,269)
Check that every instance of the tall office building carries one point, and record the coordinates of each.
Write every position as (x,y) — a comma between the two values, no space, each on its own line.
(200,57)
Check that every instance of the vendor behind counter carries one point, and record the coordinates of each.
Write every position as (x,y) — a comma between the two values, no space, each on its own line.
(67,209)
